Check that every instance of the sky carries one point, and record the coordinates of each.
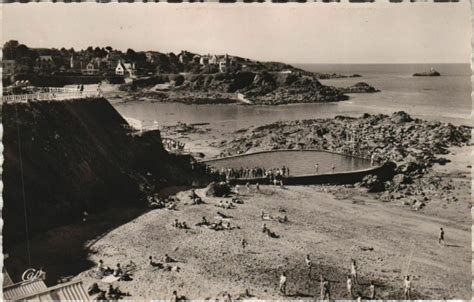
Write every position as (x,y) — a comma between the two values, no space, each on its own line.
(291,33)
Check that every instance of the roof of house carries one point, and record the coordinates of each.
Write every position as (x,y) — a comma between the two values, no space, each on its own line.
(120,64)
(128,65)
(7,280)
(25,288)
(67,291)
(45,58)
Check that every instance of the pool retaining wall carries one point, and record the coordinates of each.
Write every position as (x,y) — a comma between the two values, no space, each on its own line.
(383,172)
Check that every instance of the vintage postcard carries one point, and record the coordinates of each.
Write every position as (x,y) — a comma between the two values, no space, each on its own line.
(206,151)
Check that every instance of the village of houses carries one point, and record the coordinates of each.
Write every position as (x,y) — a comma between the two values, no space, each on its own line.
(21,63)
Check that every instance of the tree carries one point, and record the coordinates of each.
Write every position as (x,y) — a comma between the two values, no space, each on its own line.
(22,51)
(179,80)
(9,49)
(131,54)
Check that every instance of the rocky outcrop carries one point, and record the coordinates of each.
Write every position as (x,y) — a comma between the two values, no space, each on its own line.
(397,137)
(360,87)
(413,144)
(326,76)
(372,184)
(269,88)
(76,156)
(431,73)
(217,189)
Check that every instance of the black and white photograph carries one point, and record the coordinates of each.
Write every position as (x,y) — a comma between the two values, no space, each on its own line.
(230,152)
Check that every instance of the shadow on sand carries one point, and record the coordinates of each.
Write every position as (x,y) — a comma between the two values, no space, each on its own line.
(63,251)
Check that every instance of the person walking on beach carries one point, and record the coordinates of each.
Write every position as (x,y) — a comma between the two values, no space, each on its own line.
(441,236)
(349,286)
(174,297)
(354,271)
(309,265)
(372,159)
(407,288)
(333,168)
(257,186)
(325,289)
(372,290)
(283,283)
(99,89)
(316,167)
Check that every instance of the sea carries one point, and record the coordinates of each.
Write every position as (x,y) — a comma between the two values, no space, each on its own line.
(446,98)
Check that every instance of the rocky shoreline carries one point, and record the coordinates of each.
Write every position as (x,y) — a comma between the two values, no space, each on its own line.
(258,88)
(414,145)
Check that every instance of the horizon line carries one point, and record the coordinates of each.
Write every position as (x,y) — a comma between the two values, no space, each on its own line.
(377,63)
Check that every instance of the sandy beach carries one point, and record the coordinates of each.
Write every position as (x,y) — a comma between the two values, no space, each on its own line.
(332,229)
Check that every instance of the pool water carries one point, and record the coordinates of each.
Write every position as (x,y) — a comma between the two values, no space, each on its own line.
(299,162)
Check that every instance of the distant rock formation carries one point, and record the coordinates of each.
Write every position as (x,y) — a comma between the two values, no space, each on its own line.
(431,73)
(360,87)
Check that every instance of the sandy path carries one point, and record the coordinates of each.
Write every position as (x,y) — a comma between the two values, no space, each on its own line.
(332,231)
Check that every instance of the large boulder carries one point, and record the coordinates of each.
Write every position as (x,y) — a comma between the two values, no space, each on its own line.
(400,117)
(400,179)
(217,189)
(372,183)
(411,168)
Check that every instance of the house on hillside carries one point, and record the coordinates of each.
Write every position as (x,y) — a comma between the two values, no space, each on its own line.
(227,64)
(113,58)
(197,59)
(92,68)
(125,69)
(214,60)
(150,57)
(8,68)
(224,63)
(45,64)
(184,57)
(204,60)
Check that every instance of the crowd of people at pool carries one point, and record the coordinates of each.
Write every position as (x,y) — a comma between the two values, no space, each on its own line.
(173,145)
(249,173)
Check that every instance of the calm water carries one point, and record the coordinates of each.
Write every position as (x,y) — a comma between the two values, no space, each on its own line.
(299,162)
(446,98)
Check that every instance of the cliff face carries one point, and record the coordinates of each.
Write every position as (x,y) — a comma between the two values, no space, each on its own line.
(77,156)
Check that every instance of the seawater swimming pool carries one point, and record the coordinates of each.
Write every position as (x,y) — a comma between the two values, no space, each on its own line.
(300,162)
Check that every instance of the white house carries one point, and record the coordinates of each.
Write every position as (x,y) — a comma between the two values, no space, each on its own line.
(91,69)
(125,69)
(214,60)
(224,64)
(204,60)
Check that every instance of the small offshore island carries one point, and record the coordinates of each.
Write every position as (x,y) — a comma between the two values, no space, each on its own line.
(431,73)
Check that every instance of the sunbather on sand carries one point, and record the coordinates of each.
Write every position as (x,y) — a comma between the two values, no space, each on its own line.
(203,221)
(153,263)
(168,259)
